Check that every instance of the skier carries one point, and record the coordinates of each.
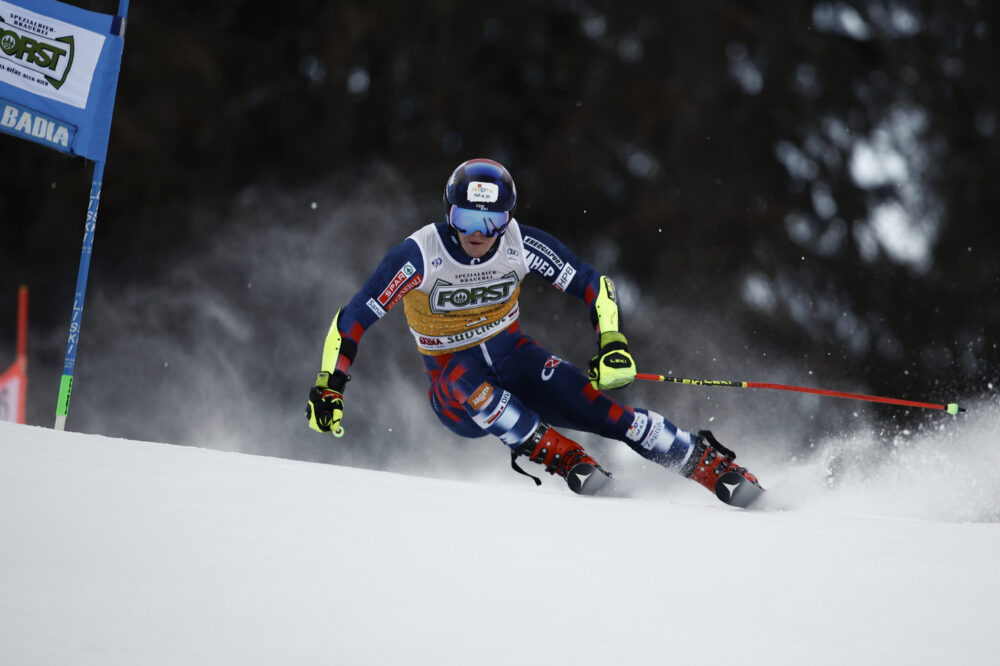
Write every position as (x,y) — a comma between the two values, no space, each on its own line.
(459,280)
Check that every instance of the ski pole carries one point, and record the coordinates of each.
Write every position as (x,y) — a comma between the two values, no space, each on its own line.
(951,408)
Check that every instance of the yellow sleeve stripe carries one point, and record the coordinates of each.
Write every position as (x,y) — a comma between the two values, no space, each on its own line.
(331,350)
(606,306)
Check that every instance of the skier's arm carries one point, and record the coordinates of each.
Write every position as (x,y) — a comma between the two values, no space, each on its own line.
(399,271)
(613,366)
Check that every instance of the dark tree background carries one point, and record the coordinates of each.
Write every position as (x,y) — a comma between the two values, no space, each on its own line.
(820,174)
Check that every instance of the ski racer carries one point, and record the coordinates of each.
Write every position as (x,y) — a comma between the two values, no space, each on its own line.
(458,281)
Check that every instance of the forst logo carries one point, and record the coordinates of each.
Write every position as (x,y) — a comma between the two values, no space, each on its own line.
(50,58)
(448,297)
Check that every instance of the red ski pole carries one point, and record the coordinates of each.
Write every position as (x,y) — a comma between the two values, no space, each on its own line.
(951,408)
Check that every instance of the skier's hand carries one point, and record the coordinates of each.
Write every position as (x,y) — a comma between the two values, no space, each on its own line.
(613,367)
(325,409)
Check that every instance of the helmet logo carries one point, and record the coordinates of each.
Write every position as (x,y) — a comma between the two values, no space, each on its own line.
(479,192)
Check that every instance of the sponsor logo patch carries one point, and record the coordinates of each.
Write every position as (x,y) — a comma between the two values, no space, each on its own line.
(638,426)
(22,40)
(565,277)
(543,250)
(610,284)
(47,57)
(649,442)
(481,396)
(448,297)
(501,408)
(538,265)
(549,369)
(36,126)
(376,308)
(404,274)
(478,192)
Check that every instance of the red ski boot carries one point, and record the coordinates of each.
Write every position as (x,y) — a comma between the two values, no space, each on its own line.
(712,465)
(562,456)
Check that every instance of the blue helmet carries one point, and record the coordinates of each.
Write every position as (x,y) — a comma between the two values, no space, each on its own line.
(479,196)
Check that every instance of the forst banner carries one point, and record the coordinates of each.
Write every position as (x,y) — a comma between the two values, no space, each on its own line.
(59,68)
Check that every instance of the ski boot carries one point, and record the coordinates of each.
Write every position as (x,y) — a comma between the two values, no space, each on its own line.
(562,456)
(712,465)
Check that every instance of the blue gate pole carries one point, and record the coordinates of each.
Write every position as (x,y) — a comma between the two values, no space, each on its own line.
(69,365)
(66,383)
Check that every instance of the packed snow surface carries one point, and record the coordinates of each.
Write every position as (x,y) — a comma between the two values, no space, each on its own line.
(124,552)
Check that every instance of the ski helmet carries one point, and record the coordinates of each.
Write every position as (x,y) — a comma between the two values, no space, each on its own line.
(479,196)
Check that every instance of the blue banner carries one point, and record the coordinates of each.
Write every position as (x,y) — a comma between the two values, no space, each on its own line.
(59,68)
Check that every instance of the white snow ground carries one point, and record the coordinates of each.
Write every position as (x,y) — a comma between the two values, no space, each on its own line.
(123,552)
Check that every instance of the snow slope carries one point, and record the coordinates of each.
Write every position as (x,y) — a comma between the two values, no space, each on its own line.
(124,552)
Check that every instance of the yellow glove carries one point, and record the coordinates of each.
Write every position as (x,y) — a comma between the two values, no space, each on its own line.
(613,367)
(325,409)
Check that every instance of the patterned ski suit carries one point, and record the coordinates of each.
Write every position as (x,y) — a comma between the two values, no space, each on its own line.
(486,375)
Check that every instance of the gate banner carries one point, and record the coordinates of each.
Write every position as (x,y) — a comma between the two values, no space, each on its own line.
(59,68)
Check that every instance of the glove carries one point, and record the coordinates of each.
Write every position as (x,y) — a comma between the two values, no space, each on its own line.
(325,409)
(613,367)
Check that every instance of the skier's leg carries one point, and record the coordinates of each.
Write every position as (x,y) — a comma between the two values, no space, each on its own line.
(468,400)
(713,465)
(562,456)
(446,405)
(563,394)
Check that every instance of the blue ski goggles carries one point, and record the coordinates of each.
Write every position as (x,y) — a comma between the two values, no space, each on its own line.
(471,220)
